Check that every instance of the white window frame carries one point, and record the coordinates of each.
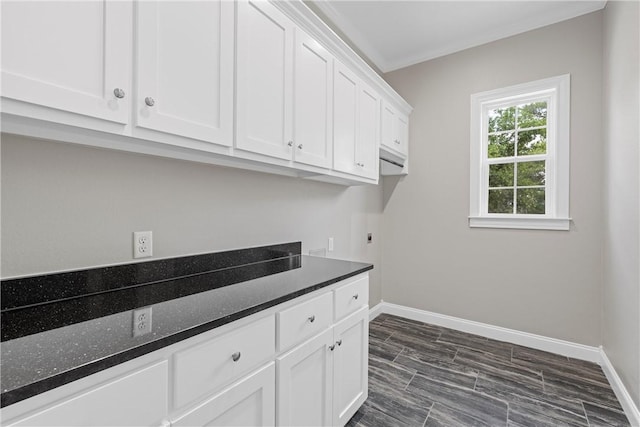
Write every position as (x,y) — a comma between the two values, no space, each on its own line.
(556,91)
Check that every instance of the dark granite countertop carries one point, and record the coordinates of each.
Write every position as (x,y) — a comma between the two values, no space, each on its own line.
(52,341)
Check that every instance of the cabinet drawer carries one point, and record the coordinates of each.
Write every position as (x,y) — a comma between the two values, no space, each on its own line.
(304,320)
(139,399)
(351,297)
(206,367)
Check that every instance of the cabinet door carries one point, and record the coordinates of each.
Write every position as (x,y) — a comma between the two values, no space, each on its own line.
(264,79)
(313,93)
(305,383)
(389,128)
(137,399)
(368,132)
(345,119)
(69,55)
(249,402)
(403,134)
(350,365)
(185,66)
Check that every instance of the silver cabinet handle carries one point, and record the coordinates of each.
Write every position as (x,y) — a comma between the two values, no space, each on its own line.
(312,318)
(339,342)
(236,356)
(149,101)
(355,296)
(119,93)
(360,164)
(332,347)
(397,141)
(300,146)
(290,143)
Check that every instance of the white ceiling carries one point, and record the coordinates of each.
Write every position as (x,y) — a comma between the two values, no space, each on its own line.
(395,34)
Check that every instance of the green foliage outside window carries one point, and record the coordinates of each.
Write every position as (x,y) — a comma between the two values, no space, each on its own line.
(517,185)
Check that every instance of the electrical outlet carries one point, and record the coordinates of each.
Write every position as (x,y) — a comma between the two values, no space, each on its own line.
(142,244)
(141,321)
(330,244)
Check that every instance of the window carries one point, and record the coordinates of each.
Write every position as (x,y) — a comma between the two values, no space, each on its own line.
(520,156)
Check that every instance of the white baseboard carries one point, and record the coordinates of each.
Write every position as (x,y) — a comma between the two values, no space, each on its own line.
(375,311)
(630,409)
(539,342)
(552,345)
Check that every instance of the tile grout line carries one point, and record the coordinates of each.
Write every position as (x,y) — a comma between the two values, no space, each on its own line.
(428,414)
(585,413)
(412,377)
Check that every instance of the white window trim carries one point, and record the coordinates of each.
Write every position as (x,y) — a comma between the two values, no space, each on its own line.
(557,91)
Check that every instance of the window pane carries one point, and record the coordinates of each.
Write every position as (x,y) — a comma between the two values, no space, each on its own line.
(502,119)
(531,173)
(501,145)
(501,201)
(532,115)
(530,201)
(532,142)
(501,175)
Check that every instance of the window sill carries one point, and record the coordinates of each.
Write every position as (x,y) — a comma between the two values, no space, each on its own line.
(520,222)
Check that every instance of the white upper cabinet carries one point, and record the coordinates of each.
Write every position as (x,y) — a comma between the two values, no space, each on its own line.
(345,119)
(264,76)
(185,68)
(72,56)
(313,94)
(284,88)
(368,132)
(254,84)
(395,130)
(356,125)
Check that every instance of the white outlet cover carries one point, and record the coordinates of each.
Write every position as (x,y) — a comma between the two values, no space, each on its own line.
(142,244)
(142,321)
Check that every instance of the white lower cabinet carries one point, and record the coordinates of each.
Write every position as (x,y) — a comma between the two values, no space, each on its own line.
(301,363)
(249,402)
(305,383)
(136,399)
(324,381)
(350,366)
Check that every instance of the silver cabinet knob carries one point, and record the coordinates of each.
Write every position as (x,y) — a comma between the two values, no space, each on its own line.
(300,146)
(149,101)
(360,164)
(312,318)
(236,356)
(355,296)
(339,342)
(332,347)
(290,143)
(397,141)
(119,93)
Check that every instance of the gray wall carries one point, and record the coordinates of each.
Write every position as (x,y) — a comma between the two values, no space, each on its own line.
(542,282)
(621,292)
(68,207)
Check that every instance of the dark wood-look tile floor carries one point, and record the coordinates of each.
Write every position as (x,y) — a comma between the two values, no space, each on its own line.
(426,375)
